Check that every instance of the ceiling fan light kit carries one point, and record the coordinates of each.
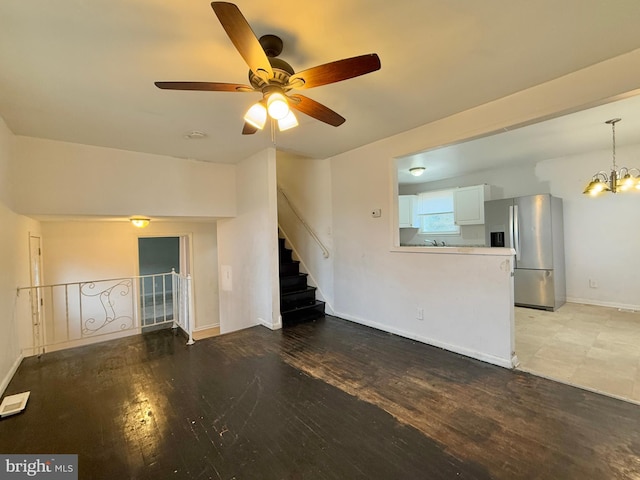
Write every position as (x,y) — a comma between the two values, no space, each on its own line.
(619,179)
(274,78)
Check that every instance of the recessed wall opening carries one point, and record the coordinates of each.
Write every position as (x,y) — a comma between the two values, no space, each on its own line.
(158,255)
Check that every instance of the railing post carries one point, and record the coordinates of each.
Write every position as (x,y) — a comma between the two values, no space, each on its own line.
(190,311)
(173,299)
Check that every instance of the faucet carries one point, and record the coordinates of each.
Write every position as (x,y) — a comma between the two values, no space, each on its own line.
(434,243)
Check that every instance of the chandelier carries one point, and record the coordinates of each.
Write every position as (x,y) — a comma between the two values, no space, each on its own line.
(619,179)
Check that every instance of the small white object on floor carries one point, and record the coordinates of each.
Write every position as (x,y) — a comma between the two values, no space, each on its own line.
(13,404)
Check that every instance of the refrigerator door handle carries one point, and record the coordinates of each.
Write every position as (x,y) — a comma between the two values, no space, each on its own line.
(516,232)
(511,242)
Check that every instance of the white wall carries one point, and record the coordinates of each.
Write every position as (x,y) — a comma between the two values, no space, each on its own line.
(75,251)
(248,249)
(7,142)
(468,298)
(60,178)
(307,184)
(14,263)
(601,233)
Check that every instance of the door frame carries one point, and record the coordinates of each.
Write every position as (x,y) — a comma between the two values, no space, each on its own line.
(38,327)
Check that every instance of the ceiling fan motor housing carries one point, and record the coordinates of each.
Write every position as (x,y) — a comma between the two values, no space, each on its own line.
(281,73)
(271,44)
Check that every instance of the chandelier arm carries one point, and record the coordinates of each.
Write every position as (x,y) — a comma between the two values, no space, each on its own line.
(601,175)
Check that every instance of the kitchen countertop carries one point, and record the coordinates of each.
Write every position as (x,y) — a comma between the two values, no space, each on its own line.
(455,249)
(440,246)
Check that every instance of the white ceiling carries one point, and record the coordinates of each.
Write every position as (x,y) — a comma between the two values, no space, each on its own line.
(567,135)
(83,70)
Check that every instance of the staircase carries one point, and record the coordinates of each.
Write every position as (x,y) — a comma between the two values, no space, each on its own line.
(297,299)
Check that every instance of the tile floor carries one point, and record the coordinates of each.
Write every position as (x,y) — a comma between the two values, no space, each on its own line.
(597,348)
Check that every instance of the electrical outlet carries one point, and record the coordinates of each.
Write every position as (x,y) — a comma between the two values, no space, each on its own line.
(593,283)
(420,314)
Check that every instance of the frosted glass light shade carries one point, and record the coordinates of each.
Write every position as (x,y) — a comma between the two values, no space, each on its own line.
(277,106)
(256,116)
(288,122)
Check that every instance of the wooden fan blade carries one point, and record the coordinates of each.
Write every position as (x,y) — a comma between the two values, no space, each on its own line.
(316,110)
(336,71)
(248,129)
(204,86)
(243,38)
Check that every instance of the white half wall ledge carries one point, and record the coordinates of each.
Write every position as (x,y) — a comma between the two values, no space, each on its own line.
(12,371)
(492,359)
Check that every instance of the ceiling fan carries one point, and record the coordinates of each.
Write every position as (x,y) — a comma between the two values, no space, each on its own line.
(275,78)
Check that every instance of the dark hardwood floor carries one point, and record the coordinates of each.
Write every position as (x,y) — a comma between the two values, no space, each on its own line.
(327,399)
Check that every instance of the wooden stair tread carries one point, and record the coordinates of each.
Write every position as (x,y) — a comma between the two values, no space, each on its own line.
(297,297)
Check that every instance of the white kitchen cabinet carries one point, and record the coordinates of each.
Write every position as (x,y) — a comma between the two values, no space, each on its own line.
(407,217)
(468,204)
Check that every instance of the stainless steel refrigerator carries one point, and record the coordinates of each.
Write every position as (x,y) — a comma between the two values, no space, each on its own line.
(533,227)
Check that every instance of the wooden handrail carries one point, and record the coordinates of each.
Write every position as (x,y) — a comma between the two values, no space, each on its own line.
(325,250)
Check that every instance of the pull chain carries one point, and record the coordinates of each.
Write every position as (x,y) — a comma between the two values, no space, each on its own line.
(273,132)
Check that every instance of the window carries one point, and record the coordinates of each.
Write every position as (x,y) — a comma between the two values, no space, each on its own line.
(435,210)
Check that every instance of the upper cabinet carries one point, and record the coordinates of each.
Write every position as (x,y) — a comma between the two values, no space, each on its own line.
(407,211)
(468,204)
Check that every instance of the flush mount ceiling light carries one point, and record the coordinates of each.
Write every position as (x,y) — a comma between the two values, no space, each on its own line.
(140,222)
(417,171)
(619,179)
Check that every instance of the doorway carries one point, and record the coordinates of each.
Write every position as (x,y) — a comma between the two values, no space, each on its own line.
(157,258)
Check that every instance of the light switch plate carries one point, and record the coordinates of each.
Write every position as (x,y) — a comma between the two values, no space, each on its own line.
(226,280)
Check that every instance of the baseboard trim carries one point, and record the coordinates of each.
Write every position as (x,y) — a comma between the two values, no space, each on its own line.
(206,327)
(12,371)
(501,362)
(597,303)
(271,326)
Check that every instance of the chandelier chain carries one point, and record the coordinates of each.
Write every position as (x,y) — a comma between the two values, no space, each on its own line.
(613,129)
